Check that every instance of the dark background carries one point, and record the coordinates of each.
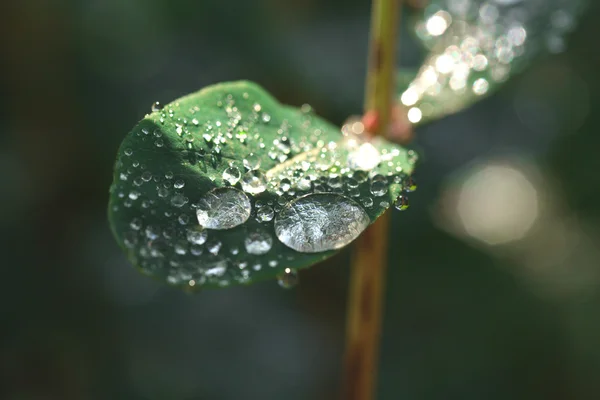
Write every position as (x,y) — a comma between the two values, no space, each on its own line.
(466,317)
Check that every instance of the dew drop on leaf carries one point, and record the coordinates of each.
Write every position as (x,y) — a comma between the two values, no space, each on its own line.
(251,161)
(223,208)
(401,203)
(259,242)
(409,184)
(319,222)
(156,106)
(285,185)
(214,246)
(360,176)
(288,278)
(265,214)
(232,175)
(367,202)
(197,237)
(254,182)
(217,268)
(178,200)
(378,188)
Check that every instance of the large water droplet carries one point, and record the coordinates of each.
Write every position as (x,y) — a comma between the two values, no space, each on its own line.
(254,182)
(288,278)
(223,208)
(258,242)
(320,222)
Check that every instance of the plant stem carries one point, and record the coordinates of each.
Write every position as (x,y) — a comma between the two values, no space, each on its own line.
(369,262)
(382,61)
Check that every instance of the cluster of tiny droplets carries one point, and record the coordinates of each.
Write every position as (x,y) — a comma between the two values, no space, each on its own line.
(183,240)
(476,44)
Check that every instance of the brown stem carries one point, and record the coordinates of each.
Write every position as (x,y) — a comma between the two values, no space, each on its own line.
(367,280)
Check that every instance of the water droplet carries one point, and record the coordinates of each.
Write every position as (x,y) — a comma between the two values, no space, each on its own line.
(179,184)
(136,224)
(128,152)
(360,176)
(351,183)
(216,268)
(401,203)
(152,232)
(179,200)
(378,188)
(130,239)
(320,222)
(304,183)
(265,214)
(251,161)
(335,182)
(353,192)
(367,202)
(254,182)
(409,184)
(258,242)
(214,246)
(223,208)
(288,278)
(146,176)
(285,184)
(196,250)
(232,175)
(156,106)
(266,118)
(162,192)
(197,237)
(180,248)
(184,219)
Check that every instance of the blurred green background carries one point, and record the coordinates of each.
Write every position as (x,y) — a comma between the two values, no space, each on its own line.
(494,277)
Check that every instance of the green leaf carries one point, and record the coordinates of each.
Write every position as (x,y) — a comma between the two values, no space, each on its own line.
(476,46)
(299,178)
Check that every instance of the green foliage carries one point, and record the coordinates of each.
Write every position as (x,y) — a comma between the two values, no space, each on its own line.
(206,188)
(475,47)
